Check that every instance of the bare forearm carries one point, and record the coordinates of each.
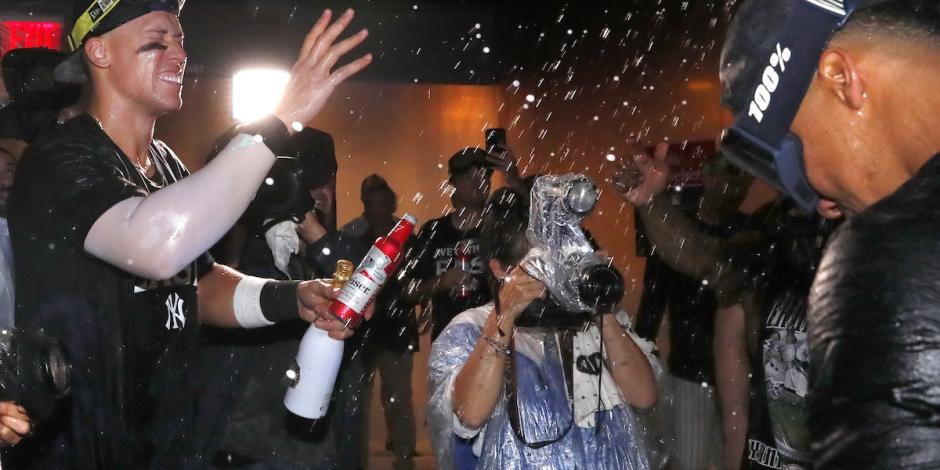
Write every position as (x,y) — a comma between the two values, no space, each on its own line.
(685,248)
(628,365)
(158,235)
(216,292)
(479,384)
(732,368)
(515,183)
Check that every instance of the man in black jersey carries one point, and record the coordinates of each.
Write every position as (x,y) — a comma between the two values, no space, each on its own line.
(846,90)
(111,234)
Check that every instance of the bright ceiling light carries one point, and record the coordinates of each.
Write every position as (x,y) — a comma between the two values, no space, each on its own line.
(255,93)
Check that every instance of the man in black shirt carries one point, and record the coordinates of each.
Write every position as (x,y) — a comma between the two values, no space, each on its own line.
(391,338)
(761,278)
(444,266)
(859,103)
(111,237)
(695,425)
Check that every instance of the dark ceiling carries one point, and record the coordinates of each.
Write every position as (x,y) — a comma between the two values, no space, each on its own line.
(456,41)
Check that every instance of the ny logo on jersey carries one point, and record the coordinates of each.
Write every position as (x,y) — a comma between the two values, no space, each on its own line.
(175,314)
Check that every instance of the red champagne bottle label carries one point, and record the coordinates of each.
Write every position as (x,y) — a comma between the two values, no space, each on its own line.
(379,263)
(368,279)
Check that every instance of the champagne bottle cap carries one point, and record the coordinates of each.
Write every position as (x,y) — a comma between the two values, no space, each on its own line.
(344,271)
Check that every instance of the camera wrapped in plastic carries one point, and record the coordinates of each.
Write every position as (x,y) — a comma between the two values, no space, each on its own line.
(581,282)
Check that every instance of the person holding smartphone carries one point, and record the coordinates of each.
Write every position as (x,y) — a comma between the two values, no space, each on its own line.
(435,276)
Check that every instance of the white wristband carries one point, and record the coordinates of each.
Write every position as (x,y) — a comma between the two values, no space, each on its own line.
(247,303)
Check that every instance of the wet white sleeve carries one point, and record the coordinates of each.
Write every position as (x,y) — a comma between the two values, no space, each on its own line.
(157,236)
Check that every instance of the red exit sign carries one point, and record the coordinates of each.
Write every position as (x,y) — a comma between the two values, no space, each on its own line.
(15,34)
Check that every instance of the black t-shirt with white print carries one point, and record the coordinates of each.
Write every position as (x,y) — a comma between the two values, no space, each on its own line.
(129,339)
(434,253)
(778,434)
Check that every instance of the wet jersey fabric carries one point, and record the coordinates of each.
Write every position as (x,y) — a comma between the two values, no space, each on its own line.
(433,254)
(874,335)
(778,435)
(129,339)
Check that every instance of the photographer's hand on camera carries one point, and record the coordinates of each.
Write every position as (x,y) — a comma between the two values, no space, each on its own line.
(14,424)
(480,382)
(313,302)
(312,81)
(517,291)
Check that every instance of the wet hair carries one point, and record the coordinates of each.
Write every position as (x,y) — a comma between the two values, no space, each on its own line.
(502,235)
(905,19)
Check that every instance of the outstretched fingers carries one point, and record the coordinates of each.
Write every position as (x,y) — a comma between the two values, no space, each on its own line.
(323,43)
(314,34)
(350,69)
(338,50)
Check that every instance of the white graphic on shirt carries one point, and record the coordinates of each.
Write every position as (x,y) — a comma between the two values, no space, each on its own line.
(175,314)
(835,6)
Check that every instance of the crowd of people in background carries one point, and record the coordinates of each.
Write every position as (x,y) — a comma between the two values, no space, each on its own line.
(114,249)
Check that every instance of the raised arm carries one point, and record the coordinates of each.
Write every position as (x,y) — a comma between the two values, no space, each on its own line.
(641,182)
(479,384)
(628,365)
(156,236)
(732,372)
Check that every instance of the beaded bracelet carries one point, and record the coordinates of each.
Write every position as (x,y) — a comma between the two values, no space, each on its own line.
(499,347)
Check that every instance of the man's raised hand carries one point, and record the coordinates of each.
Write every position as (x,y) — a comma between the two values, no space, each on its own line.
(312,77)
(641,178)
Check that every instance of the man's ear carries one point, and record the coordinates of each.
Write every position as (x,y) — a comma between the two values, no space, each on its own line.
(97,53)
(839,74)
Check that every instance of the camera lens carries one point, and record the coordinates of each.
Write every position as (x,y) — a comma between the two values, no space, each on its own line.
(57,370)
(601,287)
(581,197)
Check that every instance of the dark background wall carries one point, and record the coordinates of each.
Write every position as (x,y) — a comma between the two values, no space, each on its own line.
(573,82)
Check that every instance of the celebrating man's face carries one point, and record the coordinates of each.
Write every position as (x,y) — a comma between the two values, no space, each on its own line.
(148,54)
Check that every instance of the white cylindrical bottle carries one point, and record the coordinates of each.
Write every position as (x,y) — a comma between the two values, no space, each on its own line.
(314,374)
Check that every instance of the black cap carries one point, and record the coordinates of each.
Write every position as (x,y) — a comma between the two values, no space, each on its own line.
(751,34)
(316,153)
(96,17)
(755,28)
(466,160)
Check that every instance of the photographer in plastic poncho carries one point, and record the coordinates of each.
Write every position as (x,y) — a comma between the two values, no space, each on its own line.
(534,397)
(117,234)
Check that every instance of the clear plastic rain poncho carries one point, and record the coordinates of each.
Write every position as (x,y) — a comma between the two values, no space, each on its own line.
(610,439)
